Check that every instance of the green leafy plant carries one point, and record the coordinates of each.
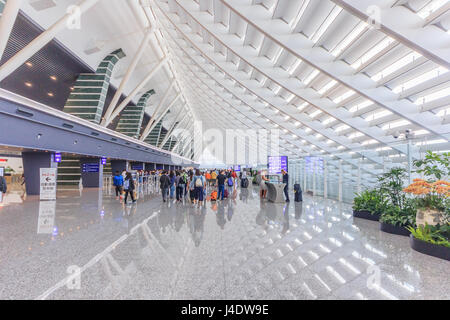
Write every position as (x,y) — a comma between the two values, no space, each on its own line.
(438,235)
(370,200)
(434,165)
(391,184)
(396,216)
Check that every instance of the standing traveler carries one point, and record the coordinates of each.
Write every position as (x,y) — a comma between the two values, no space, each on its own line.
(3,186)
(181,184)
(129,187)
(199,186)
(164,184)
(118,184)
(213,177)
(221,178)
(172,185)
(286,181)
(262,184)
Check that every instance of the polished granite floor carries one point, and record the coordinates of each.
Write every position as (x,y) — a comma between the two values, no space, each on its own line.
(87,245)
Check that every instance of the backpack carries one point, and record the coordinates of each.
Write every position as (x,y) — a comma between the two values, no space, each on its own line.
(198,182)
(126,184)
(182,181)
(230,182)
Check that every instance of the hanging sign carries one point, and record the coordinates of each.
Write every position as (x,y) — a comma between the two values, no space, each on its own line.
(48,183)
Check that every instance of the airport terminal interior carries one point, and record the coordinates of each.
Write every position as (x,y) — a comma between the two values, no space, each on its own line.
(225,149)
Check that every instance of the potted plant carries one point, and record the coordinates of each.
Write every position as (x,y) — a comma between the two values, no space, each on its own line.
(369,205)
(433,201)
(400,211)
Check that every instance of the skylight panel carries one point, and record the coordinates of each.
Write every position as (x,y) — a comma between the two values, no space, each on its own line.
(395,124)
(421,132)
(328,86)
(300,13)
(420,79)
(378,115)
(344,96)
(430,8)
(294,66)
(302,106)
(326,24)
(355,33)
(410,58)
(315,113)
(355,135)
(433,96)
(383,44)
(342,128)
(361,106)
(444,112)
(311,77)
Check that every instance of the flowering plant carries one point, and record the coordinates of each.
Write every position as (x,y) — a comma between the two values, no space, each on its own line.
(430,195)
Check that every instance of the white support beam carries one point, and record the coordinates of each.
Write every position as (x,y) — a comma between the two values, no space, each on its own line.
(7,20)
(136,91)
(150,127)
(45,37)
(127,76)
(161,103)
(172,126)
(406,27)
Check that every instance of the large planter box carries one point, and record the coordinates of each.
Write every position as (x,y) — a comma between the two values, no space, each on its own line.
(429,248)
(389,228)
(366,215)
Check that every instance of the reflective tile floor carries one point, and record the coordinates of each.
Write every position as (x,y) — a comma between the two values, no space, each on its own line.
(87,245)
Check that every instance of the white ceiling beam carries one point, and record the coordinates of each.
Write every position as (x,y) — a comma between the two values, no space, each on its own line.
(406,27)
(7,20)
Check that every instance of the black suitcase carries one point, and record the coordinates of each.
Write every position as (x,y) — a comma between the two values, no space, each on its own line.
(244,183)
(298,193)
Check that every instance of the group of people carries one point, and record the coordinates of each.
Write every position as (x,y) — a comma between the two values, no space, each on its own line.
(193,185)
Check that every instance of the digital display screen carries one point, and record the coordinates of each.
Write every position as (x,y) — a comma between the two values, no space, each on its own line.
(90,167)
(276,164)
(237,168)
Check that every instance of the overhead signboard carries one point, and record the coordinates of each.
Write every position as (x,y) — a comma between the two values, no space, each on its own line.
(237,168)
(276,164)
(90,168)
(137,166)
(48,183)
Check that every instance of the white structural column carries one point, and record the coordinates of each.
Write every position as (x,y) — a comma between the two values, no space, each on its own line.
(45,37)
(325,179)
(7,20)
(340,182)
(160,104)
(172,127)
(150,127)
(359,176)
(433,43)
(127,76)
(136,91)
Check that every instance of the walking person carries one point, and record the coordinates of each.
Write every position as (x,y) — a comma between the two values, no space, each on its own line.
(3,187)
(118,184)
(164,184)
(129,187)
(181,185)
(286,181)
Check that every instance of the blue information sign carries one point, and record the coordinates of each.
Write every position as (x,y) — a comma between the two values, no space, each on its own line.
(237,168)
(90,167)
(137,166)
(57,157)
(103,160)
(276,164)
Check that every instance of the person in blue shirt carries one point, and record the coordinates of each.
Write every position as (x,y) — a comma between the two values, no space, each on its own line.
(286,181)
(118,183)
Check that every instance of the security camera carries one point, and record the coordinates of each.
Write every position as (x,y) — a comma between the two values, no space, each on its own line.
(396,134)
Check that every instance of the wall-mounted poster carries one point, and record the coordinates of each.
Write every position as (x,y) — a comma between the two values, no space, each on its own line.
(277,163)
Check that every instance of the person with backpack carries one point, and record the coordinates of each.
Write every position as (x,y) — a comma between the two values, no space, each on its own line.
(164,184)
(221,178)
(230,183)
(118,184)
(199,187)
(181,184)
(129,187)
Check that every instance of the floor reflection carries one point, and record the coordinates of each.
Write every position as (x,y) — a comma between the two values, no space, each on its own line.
(239,248)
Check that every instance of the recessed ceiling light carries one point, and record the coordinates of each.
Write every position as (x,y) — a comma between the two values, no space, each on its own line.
(54,78)
(28,84)
(50,94)
(29,64)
